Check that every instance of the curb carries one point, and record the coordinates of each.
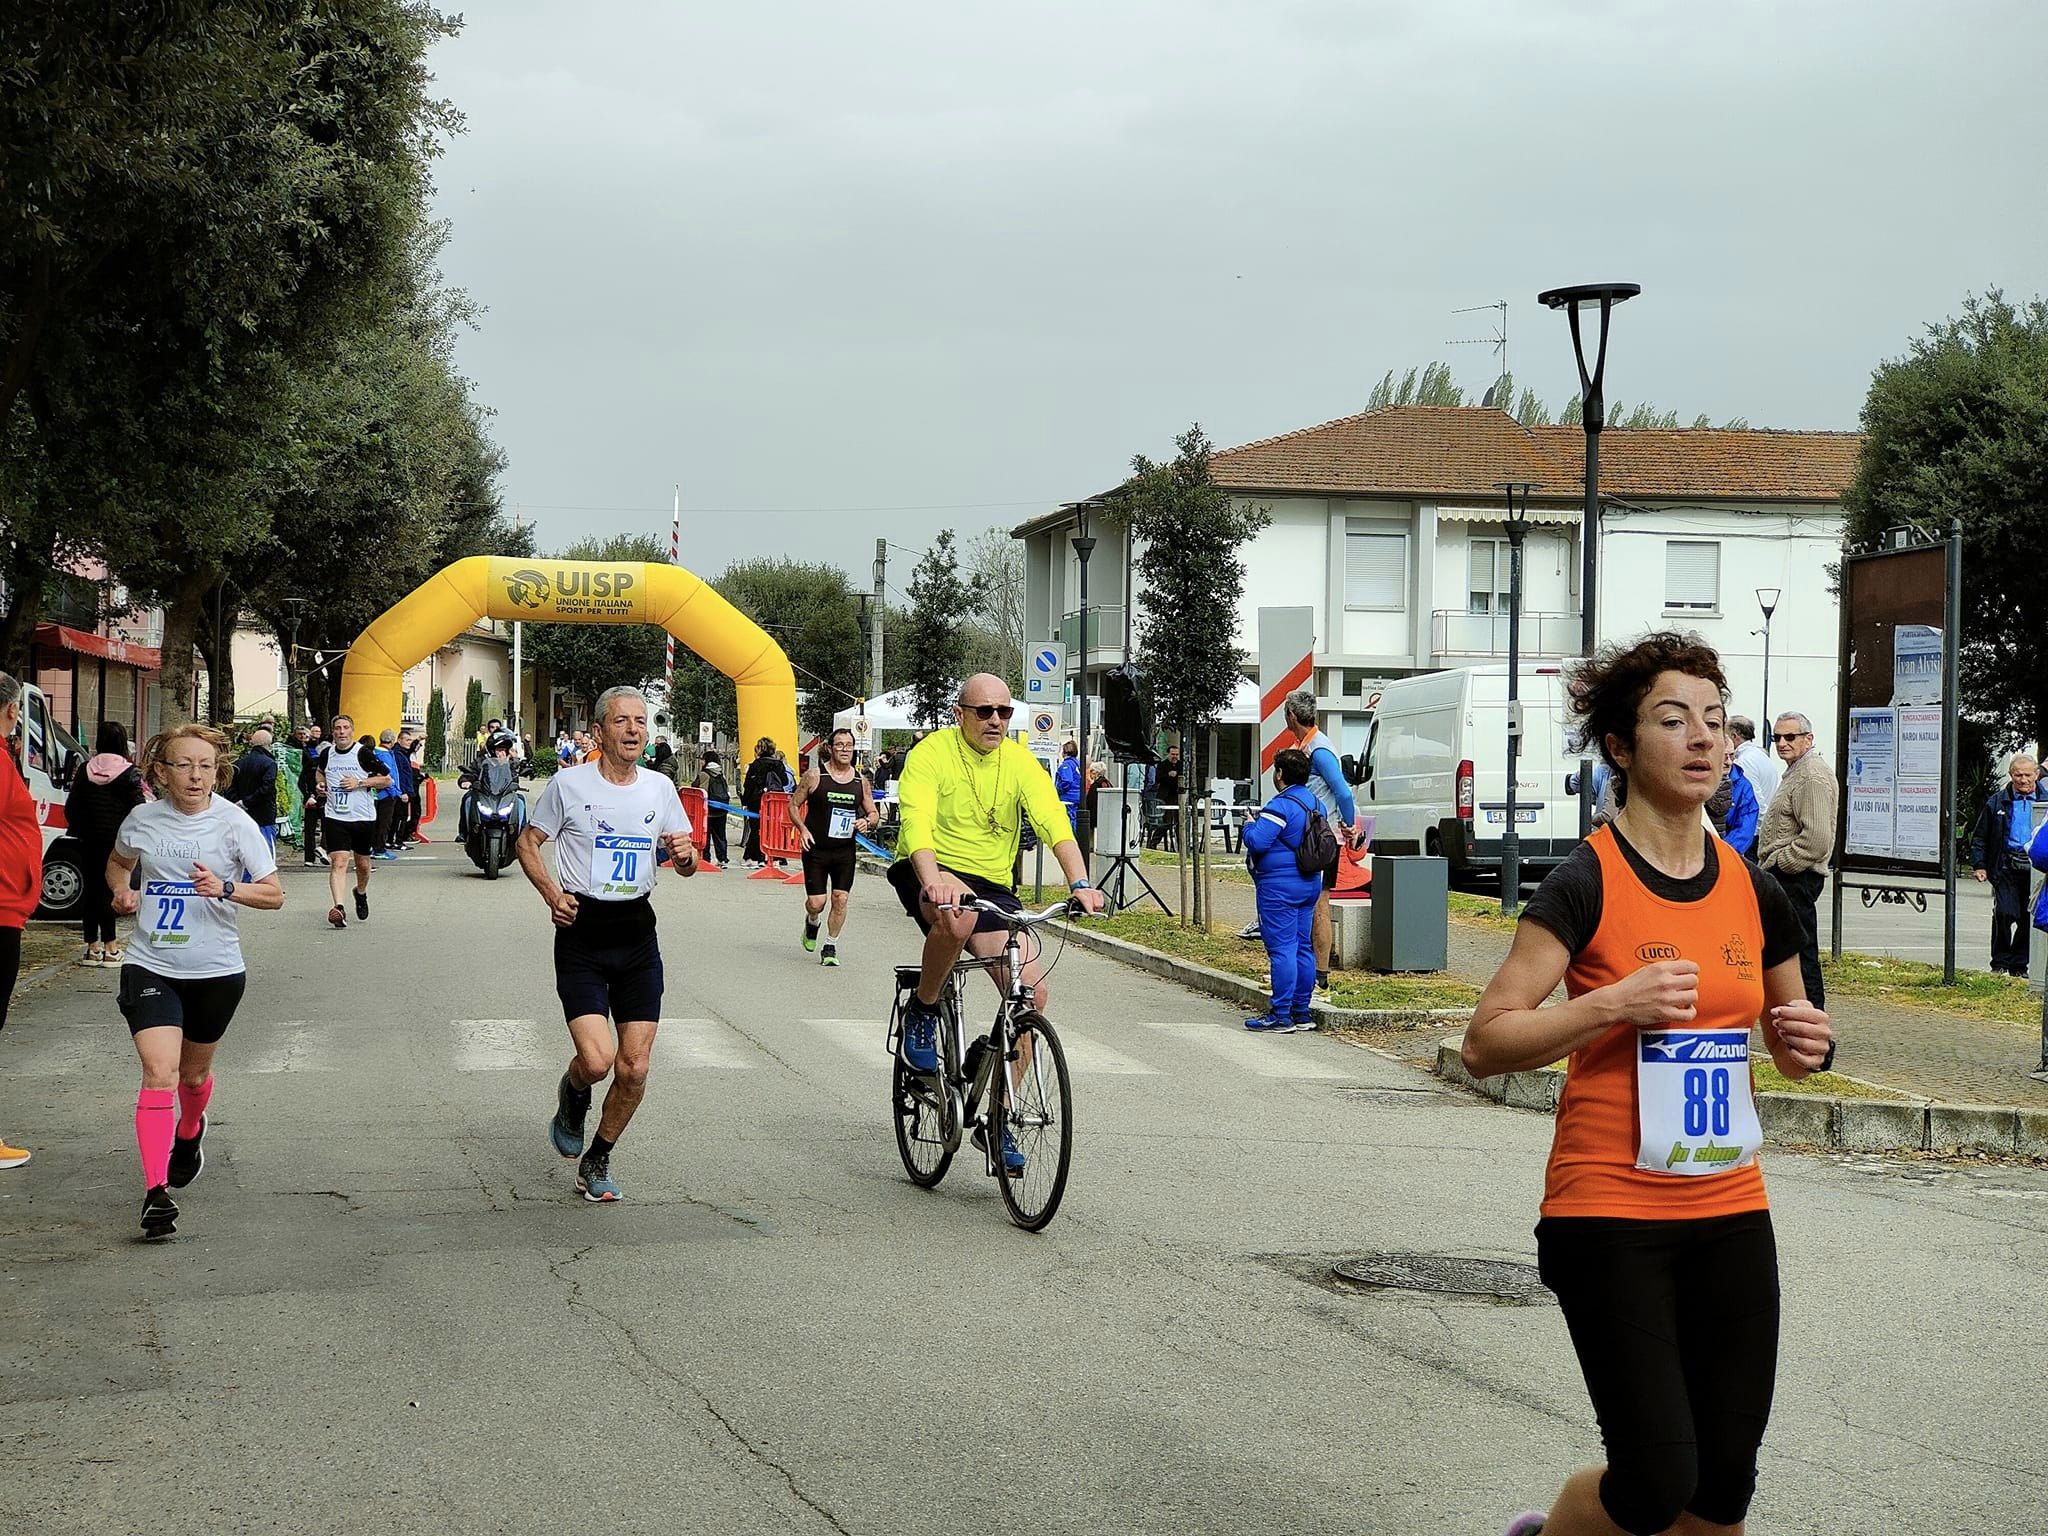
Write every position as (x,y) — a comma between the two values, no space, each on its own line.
(1813,1120)
(41,974)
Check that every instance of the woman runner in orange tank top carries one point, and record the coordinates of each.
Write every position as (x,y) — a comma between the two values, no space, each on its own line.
(1655,1232)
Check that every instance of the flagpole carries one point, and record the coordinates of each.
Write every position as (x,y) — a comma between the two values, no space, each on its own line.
(675,557)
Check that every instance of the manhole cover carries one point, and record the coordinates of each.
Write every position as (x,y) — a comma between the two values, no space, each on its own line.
(1445,1275)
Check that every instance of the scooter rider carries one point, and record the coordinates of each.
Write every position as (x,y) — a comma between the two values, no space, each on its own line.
(497,750)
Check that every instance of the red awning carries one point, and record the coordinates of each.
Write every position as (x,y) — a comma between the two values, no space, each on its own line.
(144,658)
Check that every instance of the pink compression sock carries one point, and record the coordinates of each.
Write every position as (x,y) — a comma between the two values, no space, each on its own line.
(154,1123)
(192,1104)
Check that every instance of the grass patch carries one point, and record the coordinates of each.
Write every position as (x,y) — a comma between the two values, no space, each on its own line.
(1241,957)
(1480,912)
(1976,994)
(1828,1084)
(46,943)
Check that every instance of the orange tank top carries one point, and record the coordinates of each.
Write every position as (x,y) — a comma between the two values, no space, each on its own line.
(1592,1168)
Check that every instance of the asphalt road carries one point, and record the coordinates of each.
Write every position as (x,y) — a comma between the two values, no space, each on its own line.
(387,1312)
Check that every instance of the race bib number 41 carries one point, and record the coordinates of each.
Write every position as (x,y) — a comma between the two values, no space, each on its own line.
(166,911)
(1694,1106)
(621,865)
(841,824)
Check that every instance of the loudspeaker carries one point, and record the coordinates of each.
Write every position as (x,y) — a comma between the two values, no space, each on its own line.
(1126,716)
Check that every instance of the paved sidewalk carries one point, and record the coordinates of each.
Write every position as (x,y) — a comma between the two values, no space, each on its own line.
(1917,1050)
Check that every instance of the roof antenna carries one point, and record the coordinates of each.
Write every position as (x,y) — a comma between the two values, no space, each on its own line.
(1498,341)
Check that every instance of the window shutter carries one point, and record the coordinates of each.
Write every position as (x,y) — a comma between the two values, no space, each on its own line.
(1479,566)
(1692,575)
(1375,570)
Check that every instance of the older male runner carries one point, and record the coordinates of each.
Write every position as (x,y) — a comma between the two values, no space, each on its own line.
(964,795)
(608,817)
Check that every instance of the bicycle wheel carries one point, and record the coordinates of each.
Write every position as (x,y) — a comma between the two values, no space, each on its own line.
(927,1115)
(1036,1110)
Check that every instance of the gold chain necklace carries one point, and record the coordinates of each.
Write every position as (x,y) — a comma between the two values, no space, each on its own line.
(974,789)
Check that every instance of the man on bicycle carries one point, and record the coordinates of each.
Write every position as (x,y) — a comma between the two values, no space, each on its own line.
(964,794)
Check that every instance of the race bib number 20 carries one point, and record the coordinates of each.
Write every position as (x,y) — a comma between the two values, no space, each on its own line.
(1695,1110)
(621,865)
(166,912)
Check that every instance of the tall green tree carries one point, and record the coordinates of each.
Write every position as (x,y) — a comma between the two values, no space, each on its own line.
(941,599)
(1958,429)
(811,612)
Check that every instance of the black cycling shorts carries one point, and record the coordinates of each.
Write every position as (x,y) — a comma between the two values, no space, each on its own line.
(348,836)
(202,1009)
(828,863)
(903,876)
(608,973)
(1676,1328)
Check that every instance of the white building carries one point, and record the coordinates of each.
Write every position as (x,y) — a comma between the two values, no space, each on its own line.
(1388,525)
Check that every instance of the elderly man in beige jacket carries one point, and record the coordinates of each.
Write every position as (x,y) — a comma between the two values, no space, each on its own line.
(1796,837)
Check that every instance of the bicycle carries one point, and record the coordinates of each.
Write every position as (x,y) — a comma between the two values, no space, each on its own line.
(1031,1101)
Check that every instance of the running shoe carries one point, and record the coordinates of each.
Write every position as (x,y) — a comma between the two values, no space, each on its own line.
(572,1108)
(1530,1524)
(187,1157)
(1270,1024)
(1250,930)
(337,917)
(594,1181)
(1014,1160)
(159,1214)
(920,1038)
(362,906)
(810,934)
(829,955)
(12,1157)
(1305,1023)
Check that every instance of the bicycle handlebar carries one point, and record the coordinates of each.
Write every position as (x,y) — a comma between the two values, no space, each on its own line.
(1023,919)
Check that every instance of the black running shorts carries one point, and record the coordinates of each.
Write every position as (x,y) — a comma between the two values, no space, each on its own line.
(618,975)
(202,1009)
(903,876)
(348,836)
(1676,1328)
(828,863)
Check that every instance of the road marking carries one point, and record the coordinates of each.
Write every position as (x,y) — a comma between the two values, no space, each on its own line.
(705,1044)
(295,1046)
(863,1037)
(1092,1057)
(1284,1058)
(505,1045)
(859,1037)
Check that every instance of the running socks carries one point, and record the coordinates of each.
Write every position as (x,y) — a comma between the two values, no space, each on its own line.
(192,1104)
(155,1121)
(600,1148)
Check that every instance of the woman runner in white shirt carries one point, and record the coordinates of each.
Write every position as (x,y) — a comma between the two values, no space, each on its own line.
(201,857)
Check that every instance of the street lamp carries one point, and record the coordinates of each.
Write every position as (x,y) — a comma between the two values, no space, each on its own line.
(1592,416)
(1511,840)
(1084,546)
(1767,599)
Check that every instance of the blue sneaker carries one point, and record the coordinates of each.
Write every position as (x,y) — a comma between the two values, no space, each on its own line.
(1270,1024)
(1014,1160)
(594,1179)
(572,1109)
(920,1038)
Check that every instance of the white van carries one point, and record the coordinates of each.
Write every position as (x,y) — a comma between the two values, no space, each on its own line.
(1435,768)
(48,758)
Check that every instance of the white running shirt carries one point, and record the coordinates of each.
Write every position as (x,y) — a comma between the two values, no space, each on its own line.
(607,835)
(360,803)
(178,932)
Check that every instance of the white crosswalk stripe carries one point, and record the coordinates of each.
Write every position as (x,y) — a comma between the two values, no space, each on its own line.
(705,1044)
(857,1037)
(506,1045)
(1085,1055)
(290,1045)
(1283,1058)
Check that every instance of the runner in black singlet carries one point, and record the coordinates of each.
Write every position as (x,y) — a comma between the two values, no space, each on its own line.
(831,804)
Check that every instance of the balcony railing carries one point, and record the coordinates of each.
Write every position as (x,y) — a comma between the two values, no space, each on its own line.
(1105,630)
(1452,633)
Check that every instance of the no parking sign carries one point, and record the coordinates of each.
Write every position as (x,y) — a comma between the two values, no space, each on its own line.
(1045,674)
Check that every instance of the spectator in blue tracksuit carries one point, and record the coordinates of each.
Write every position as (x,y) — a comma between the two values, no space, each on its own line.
(1067,780)
(1734,809)
(1333,794)
(2000,844)
(1286,897)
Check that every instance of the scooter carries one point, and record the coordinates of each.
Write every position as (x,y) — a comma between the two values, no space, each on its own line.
(496,817)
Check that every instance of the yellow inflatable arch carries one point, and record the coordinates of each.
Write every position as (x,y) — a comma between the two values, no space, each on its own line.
(569,592)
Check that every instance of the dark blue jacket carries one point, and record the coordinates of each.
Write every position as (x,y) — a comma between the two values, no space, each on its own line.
(255,785)
(1991,835)
(1271,840)
(2037,851)
(1742,813)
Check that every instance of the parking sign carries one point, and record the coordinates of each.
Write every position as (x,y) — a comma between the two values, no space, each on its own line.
(1045,674)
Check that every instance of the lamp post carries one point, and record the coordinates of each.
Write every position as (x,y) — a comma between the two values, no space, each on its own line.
(1511,840)
(1084,546)
(1767,599)
(1593,416)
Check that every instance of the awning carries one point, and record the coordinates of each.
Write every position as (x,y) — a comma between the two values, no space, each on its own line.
(1538,516)
(144,658)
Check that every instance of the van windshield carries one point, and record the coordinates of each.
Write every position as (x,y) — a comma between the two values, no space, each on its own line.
(50,746)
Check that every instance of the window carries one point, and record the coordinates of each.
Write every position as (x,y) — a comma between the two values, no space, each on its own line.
(1375,569)
(1692,576)
(1487,586)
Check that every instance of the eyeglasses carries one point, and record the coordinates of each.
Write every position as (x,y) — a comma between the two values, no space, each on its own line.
(1794,736)
(983,711)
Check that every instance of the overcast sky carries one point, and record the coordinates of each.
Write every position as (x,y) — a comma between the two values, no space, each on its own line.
(859,270)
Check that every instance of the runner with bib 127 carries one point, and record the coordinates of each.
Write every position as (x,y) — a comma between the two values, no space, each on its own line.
(1655,1232)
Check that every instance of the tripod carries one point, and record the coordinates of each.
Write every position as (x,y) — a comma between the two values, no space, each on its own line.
(1125,865)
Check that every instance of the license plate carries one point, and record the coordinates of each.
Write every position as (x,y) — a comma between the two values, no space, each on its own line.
(1523,817)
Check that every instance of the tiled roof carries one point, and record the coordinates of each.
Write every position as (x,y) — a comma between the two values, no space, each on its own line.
(1452,451)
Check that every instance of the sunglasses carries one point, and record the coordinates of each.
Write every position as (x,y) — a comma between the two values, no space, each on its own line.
(983,711)
(1796,735)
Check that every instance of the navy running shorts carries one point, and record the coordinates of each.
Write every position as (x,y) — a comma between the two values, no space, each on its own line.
(615,975)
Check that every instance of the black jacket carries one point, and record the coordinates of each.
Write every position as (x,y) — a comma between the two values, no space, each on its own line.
(95,811)
(255,785)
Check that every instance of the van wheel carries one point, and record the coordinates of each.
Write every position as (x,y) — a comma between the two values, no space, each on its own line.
(63,883)
(1432,844)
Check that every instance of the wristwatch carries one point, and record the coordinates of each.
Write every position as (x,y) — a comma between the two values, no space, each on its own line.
(227,890)
(1079,885)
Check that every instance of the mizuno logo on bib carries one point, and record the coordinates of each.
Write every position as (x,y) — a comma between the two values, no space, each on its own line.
(621,865)
(167,907)
(1695,1112)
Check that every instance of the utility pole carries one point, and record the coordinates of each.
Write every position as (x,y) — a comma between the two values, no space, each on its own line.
(875,655)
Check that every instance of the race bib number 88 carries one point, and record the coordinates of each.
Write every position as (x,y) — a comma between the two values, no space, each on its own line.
(166,912)
(621,865)
(1695,1110)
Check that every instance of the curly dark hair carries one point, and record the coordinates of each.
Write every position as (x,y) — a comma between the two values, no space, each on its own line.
(1605,691)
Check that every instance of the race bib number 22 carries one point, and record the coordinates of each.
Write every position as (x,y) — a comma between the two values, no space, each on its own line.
(166,912)
(1696,1113)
